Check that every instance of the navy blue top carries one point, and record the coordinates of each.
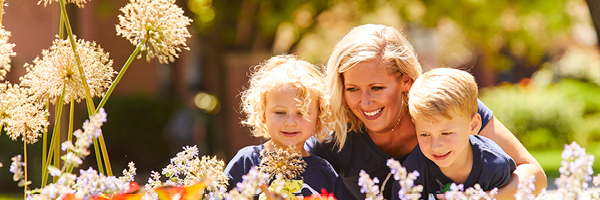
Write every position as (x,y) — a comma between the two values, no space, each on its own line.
(360,152)
(492,168)
(318,173)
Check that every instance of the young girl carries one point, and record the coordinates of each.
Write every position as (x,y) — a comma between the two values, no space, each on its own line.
(286,101)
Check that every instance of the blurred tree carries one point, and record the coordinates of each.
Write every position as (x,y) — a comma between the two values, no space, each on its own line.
(504,40)
(594,6)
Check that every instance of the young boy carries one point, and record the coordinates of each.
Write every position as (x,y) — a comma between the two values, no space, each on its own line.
(286,101)
(443,106)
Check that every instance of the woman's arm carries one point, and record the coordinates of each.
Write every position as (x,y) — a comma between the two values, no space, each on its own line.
(526,163)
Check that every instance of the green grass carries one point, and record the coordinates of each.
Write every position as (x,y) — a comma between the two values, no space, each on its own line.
(11,196)
(550,160)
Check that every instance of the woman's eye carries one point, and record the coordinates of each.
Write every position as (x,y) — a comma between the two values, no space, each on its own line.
(351,89)
(377,88)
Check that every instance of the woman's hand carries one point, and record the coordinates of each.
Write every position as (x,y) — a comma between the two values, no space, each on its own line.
(526,163)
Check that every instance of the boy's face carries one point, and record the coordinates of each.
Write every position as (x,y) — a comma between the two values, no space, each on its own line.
(446,142)
(284,120)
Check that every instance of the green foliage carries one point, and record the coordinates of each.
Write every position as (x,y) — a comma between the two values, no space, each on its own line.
(548,117)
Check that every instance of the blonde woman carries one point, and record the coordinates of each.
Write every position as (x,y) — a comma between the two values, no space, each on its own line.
(369,74)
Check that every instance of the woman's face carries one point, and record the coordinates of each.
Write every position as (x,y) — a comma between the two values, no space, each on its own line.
(374,95)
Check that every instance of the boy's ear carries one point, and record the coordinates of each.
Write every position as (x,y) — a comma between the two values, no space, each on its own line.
(475,124)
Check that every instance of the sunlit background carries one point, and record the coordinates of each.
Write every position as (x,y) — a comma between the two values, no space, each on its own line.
(537,63)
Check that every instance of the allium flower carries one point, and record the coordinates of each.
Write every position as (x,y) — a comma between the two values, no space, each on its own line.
(78,2)
(287,162)
(369,186)
(160,23)
(525,189)
(407,188)
(58,69)
(575,171)
(6,51)
(208,168)
(20,114)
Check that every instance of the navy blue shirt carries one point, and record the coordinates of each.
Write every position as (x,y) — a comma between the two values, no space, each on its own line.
(318,173)
(491,168)
(360,152)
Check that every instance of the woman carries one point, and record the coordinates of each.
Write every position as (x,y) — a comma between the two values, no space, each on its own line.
(369,73)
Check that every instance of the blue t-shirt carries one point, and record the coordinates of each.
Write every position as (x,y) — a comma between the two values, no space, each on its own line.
(360,152)
(491,168)
(318,173)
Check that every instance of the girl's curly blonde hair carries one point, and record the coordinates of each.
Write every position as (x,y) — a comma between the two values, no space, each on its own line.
(286,70)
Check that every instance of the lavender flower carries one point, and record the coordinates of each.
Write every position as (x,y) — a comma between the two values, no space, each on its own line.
(15,167)
(369,186)
(407,188)
(85,138)
(249,187)
(525,189)
(575,171)
(455,192)
(90,183)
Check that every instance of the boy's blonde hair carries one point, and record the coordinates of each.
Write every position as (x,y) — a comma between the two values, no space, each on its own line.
(369,42)
(443,92)
(286,70)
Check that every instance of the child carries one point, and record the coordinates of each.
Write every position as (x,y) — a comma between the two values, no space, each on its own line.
(443,106)
(286,101)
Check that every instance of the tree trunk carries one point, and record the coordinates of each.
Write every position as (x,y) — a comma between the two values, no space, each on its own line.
(594,6)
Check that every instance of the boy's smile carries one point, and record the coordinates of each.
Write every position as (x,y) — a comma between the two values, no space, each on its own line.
(446,142)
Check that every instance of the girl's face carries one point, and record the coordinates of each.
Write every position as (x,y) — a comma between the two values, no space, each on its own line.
(284,120)
(375,96)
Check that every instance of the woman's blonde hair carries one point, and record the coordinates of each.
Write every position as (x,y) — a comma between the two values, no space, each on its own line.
(380,43)
(443,92)
(286,70)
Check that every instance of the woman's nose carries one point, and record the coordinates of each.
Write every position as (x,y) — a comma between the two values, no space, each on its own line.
(366,99)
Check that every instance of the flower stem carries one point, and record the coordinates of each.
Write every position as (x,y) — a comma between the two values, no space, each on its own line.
(100,139)
(1,10)
(98,156)
(55,142)
(45,142)
(88,96)
(120,75)
(71,113)
(25,167)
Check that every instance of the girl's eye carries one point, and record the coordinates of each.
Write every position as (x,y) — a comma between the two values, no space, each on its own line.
(280,112)
(352,89)
(299,113)
(446,133)
(424,134)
